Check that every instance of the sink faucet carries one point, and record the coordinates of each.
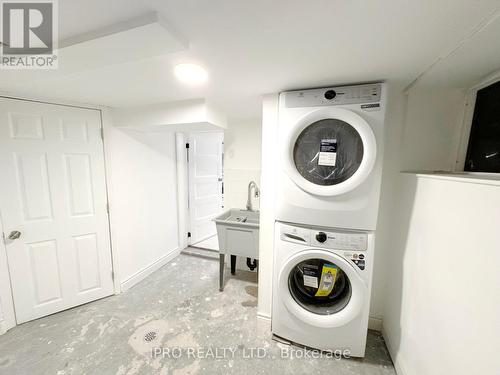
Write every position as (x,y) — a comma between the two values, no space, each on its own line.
(251,185)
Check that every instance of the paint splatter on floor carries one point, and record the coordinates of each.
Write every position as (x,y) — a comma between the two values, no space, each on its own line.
(180,307)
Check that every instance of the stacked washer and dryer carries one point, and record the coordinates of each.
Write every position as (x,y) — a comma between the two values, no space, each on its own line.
(327,204)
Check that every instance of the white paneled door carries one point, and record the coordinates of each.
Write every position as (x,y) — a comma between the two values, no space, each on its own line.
(54,207)
(205,183)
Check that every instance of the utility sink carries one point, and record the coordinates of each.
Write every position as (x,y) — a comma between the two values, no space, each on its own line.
(238,218)
(238,233)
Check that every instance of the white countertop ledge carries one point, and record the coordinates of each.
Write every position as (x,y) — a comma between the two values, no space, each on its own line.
(463,177)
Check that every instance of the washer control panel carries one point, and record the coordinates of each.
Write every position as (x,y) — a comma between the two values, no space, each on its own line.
(340,241)
(324,239)
(334,96)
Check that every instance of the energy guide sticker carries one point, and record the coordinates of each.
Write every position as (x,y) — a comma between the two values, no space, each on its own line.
(328,152)
(328,278)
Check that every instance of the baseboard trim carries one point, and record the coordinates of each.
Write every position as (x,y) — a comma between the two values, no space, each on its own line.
(399,364)
(264,321)
(148,270)
(375,323)
(5,326)
(263,316)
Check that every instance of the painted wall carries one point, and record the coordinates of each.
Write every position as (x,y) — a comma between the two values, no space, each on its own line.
(143,185)
(242,162)
(432,125)
(422,133)
(267,212)
(394,119)
(442,314)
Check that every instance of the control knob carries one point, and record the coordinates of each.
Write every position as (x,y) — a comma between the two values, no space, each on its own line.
(330,94)
(321,237)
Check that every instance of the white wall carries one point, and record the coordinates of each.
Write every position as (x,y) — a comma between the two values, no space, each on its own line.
(143,184)
(242,162)
(442,311)
(394,119)
(431,134)
(422,132)
(267,213)
(179,116)
(427,229)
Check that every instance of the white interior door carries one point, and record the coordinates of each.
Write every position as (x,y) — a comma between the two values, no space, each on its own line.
(205,183)
(53,192)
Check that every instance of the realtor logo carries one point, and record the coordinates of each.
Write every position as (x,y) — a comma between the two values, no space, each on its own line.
(29,34)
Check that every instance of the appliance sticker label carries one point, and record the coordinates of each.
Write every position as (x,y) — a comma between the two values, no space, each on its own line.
(310,281)
(328,278)
(371,107)
(310,275)
(328,152)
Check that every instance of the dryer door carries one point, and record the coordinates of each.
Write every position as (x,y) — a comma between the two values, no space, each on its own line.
(329,151)
(321,288)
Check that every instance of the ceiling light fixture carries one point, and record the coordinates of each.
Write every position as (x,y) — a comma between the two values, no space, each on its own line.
(190,73)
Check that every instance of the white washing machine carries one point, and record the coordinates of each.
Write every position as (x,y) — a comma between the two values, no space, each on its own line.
(322,287)
(330,144)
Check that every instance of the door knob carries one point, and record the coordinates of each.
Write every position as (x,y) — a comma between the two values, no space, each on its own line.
(14,235)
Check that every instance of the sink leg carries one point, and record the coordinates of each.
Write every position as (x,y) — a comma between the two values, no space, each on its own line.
(233,264)
(221,272)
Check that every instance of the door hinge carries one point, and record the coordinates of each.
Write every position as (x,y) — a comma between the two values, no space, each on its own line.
(107,207)
(189,234)
(187,145)
(102,133)
(112,275)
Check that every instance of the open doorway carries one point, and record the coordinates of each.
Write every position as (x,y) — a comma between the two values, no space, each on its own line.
(205,155)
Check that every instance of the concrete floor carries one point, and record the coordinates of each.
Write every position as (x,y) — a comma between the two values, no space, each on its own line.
(177,307)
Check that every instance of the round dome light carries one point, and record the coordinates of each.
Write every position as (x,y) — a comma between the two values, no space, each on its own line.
(190,73)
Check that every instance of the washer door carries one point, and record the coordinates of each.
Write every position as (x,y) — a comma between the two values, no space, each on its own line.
(304,289)
(329,151)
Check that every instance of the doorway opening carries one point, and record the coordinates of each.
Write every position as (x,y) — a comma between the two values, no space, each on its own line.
(205,188)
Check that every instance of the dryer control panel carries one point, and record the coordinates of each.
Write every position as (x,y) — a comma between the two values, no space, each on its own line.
(325,239)
(342,95)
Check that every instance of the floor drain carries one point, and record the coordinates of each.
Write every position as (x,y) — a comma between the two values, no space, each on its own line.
(150,336)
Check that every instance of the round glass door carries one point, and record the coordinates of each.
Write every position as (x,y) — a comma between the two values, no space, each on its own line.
(328,152)
(319,286)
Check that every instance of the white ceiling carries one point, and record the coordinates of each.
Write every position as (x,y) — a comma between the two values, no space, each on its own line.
(255,47)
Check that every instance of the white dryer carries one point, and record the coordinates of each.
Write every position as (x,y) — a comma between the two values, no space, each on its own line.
(330,143)
(321,287)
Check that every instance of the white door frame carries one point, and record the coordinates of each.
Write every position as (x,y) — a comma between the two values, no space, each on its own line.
(183,185)
(182,189)
(6,301)
(189,161)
